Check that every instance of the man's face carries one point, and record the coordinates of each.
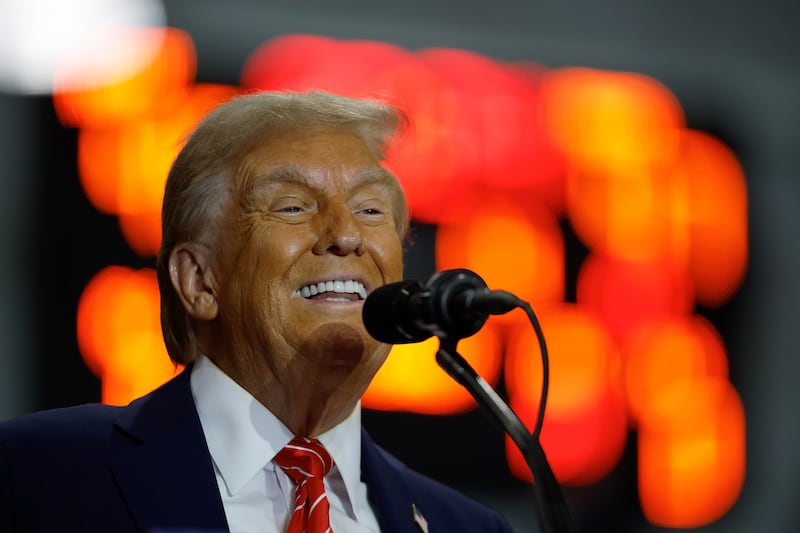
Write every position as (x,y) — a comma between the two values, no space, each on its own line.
(301,246)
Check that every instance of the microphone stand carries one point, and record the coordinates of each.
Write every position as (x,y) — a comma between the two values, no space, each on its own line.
(552,511)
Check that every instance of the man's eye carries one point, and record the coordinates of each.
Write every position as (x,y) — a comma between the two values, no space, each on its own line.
(290,205)
(371,211)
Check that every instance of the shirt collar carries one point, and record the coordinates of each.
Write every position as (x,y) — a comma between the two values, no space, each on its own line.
(343,442)
(243,436)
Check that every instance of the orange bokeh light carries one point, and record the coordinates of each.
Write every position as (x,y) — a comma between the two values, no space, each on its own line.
(717,216)
(123,169)
(608,119)
(666,365)
(517,250)
(411,379)
(119,333)
(581,447)
(691,475)
(627,213)
(585,425)
(157,87)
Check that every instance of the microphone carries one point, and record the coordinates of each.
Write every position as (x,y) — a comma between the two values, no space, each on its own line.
(452,304)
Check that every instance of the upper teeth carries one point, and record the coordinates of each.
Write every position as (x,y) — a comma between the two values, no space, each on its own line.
(350,287)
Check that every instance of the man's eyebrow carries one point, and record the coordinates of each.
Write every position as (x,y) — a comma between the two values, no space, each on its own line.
(288,173)
(379,176)
(284,174)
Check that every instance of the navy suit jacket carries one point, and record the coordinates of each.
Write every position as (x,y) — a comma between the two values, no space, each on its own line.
(146,468)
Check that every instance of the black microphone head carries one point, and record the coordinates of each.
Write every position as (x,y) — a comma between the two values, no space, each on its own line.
(450,294)
(385,313)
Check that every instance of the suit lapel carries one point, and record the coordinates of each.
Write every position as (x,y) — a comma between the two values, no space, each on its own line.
(165,473)
(390,496)
(162,465)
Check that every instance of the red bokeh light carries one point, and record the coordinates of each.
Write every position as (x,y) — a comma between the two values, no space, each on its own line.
(628,294)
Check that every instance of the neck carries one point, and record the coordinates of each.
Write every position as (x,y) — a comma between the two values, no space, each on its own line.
(311,416)
(308,399)
(310,388)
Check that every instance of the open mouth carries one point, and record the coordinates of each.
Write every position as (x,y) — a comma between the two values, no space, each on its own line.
(339,290)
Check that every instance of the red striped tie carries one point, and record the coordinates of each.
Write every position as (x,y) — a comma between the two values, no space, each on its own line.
(306,461)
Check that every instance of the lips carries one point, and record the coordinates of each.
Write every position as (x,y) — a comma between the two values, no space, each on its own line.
(344,290)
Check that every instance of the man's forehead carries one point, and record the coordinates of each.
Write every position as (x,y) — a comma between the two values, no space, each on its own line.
(323,177)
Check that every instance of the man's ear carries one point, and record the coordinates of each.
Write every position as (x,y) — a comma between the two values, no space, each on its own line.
(191,275)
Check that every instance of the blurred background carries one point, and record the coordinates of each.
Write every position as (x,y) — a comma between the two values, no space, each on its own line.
(629,168)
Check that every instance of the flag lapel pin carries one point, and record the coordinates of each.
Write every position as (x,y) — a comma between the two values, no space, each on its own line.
(419,519)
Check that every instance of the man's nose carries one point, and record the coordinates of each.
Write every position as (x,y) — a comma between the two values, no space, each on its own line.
(340,232)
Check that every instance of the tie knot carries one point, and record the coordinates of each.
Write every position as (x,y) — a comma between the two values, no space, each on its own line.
(303,458)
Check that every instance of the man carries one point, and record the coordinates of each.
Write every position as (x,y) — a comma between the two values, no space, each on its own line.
(278,220)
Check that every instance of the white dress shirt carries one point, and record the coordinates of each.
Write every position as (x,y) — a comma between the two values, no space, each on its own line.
(243,437)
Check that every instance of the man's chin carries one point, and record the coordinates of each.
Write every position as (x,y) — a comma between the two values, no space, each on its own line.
(337,344)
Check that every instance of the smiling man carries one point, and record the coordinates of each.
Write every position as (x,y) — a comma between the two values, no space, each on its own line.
(278,220)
